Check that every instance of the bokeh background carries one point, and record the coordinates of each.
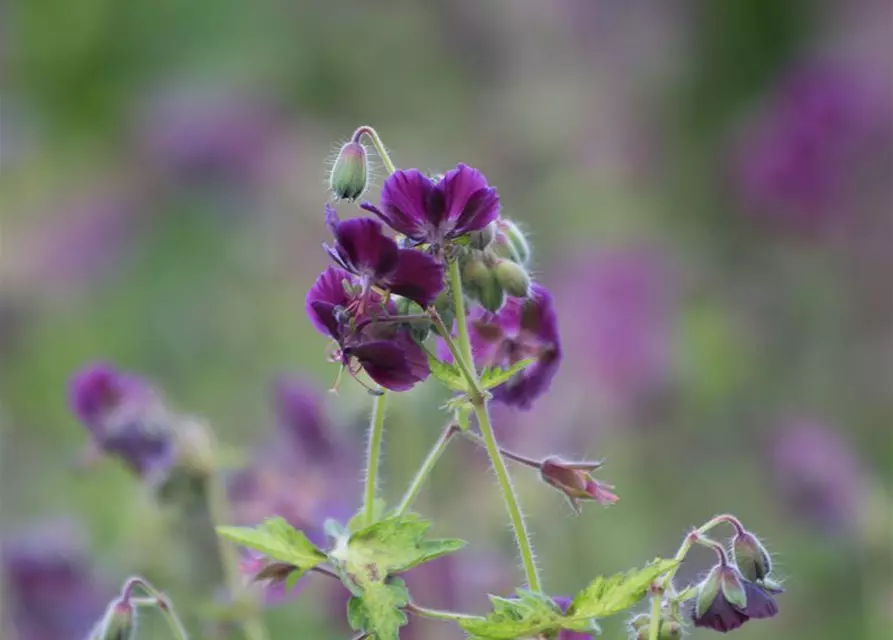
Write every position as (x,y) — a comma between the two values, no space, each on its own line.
(707,186)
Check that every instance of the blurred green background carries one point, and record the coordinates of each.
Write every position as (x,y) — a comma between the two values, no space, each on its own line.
(707,190)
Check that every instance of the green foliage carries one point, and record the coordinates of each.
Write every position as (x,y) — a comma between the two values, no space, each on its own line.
(607,596)
(379,609)
(279,541)
(527,615)
(448,374)
(495,376)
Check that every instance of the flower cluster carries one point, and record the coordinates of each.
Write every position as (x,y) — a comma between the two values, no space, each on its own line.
(363,301)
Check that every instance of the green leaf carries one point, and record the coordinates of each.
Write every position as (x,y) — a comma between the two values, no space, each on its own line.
(277,540)
(447,373)
(495,376)
(607,596)
(525,616)
(379,609)
(387,547)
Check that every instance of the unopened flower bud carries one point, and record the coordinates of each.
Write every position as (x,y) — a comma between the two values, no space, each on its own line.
(751,556)
(510,242)
(669,630)
(119,622)
(482,285)
(349,176)
(512,278)
(482,239)
(573,479)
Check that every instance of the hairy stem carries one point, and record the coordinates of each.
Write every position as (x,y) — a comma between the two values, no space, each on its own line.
(654,625)
(373,456)
(433,456)
(377,143)
(157,600)
(483,417)
(466,366)
(511,455)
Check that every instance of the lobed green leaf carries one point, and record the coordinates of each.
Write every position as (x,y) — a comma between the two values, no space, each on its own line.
(277,540)
(495,376)
(607,596)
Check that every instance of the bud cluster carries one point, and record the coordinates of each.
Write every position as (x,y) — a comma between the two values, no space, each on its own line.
(494,264)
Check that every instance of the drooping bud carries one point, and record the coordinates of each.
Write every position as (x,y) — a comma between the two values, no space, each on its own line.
(482,239)
(751,556)
(349,176)
(573,479)
(119,622)
(512,278)
(482,285)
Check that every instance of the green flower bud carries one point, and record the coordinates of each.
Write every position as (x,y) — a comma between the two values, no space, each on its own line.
(480,284)
(511,243)
(751,556)
(512,278)
(349,176)
(119,622)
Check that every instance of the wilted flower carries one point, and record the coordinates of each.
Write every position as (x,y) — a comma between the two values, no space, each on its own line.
(726,600)
(386,351)
(524,328)
(125,417)
(573,479)
(432,212)
(362,249)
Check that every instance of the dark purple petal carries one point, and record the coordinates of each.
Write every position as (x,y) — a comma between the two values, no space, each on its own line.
(140,434)
(326,294)
(720,616)
(760,604)
(397,364)
(404,203)
(418,276)
(470,203)
(361,246)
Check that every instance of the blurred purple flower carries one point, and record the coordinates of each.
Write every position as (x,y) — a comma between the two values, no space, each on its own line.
(362,249)
(51,592)
(523,328)
(617,309)
(796,161)
(386,351)
(125,417)
(301,419)
(219,135)
(819,476)
(428,211)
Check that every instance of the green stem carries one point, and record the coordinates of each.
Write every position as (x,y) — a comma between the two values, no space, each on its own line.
(373,456)
(158,600)
(437,614)
(465,365)
(654,625)
(483,417)
(511,455)
(377,143)
(173,620)
(433,456)
(218,509)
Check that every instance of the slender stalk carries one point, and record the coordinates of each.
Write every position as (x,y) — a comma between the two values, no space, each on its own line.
(173,620)
(433,456)
(483,417)
(437,614)
(377,143)
(373,456)
(654,625)
(156,599)
(466,366)
(218,509)
(511,455)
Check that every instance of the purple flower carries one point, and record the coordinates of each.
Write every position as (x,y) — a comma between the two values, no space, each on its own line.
(357,322)
(432,212)
(819,476)
(125,418)
(726,600)
(573,479)
(51,592)
(523,328)
(362,249)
